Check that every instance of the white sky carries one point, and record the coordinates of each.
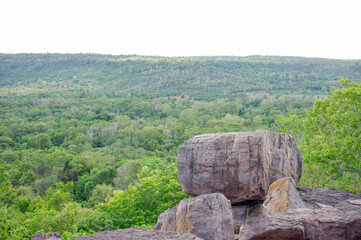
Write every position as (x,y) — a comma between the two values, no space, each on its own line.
(311,28)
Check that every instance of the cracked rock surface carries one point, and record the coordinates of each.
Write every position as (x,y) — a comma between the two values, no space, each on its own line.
(241,165)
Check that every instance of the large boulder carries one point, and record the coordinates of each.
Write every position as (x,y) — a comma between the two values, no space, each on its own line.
(207,216)
(241,165)
(138,234)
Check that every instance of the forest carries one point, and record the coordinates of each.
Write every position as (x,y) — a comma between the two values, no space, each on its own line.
(89,142)
(202,78)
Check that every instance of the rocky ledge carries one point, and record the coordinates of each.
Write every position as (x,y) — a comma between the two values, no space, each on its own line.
(285,216)
(138,234)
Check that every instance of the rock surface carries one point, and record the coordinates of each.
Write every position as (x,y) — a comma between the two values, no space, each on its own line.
(326,214)
(47,236)
(325,196)
(208,216)
(282,195)
(125,234)
(342,222)
(240,165)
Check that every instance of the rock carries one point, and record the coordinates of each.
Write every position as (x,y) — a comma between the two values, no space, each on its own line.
(208,216)
(324,222)
(241,165)
(325,196)
(47,236)
(282,195)
(131,234)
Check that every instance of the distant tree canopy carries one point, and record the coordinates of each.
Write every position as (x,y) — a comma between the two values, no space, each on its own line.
(202,78)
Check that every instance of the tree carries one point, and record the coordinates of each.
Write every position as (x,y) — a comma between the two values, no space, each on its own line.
(100,194)
(4,185)
(329,137)
(141,204)
(84,188)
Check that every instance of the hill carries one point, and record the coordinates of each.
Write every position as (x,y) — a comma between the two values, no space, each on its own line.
(203,78)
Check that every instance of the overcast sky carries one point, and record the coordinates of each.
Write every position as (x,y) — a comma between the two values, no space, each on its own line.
(310,28)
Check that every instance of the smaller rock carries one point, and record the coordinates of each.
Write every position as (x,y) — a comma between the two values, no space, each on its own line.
(355,202)
(326,196)
(282,196)
(208,216)
(47,236)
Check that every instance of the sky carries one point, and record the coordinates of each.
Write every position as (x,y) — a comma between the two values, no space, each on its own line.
(307,28)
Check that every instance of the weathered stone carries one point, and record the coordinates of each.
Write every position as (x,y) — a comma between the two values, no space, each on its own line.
(324,222)
(239,165)
(282,195)
(207,216)
(325,196)
(138,234)
(47,236)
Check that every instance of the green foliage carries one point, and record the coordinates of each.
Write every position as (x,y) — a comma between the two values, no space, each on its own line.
(23,202)
(4,186)
(329,137)
(100,194)
(53,213)
(97,221)
(84,187)
(156,191)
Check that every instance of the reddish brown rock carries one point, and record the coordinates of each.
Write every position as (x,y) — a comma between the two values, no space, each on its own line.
(239,165)
(342,222)
(313,213)
(282,195)
(207,216)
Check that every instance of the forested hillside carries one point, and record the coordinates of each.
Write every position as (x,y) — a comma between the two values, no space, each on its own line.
(89,142)
(203,78)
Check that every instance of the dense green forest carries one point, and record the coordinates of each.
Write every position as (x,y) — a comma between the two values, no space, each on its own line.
(202,78)
(89,142)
